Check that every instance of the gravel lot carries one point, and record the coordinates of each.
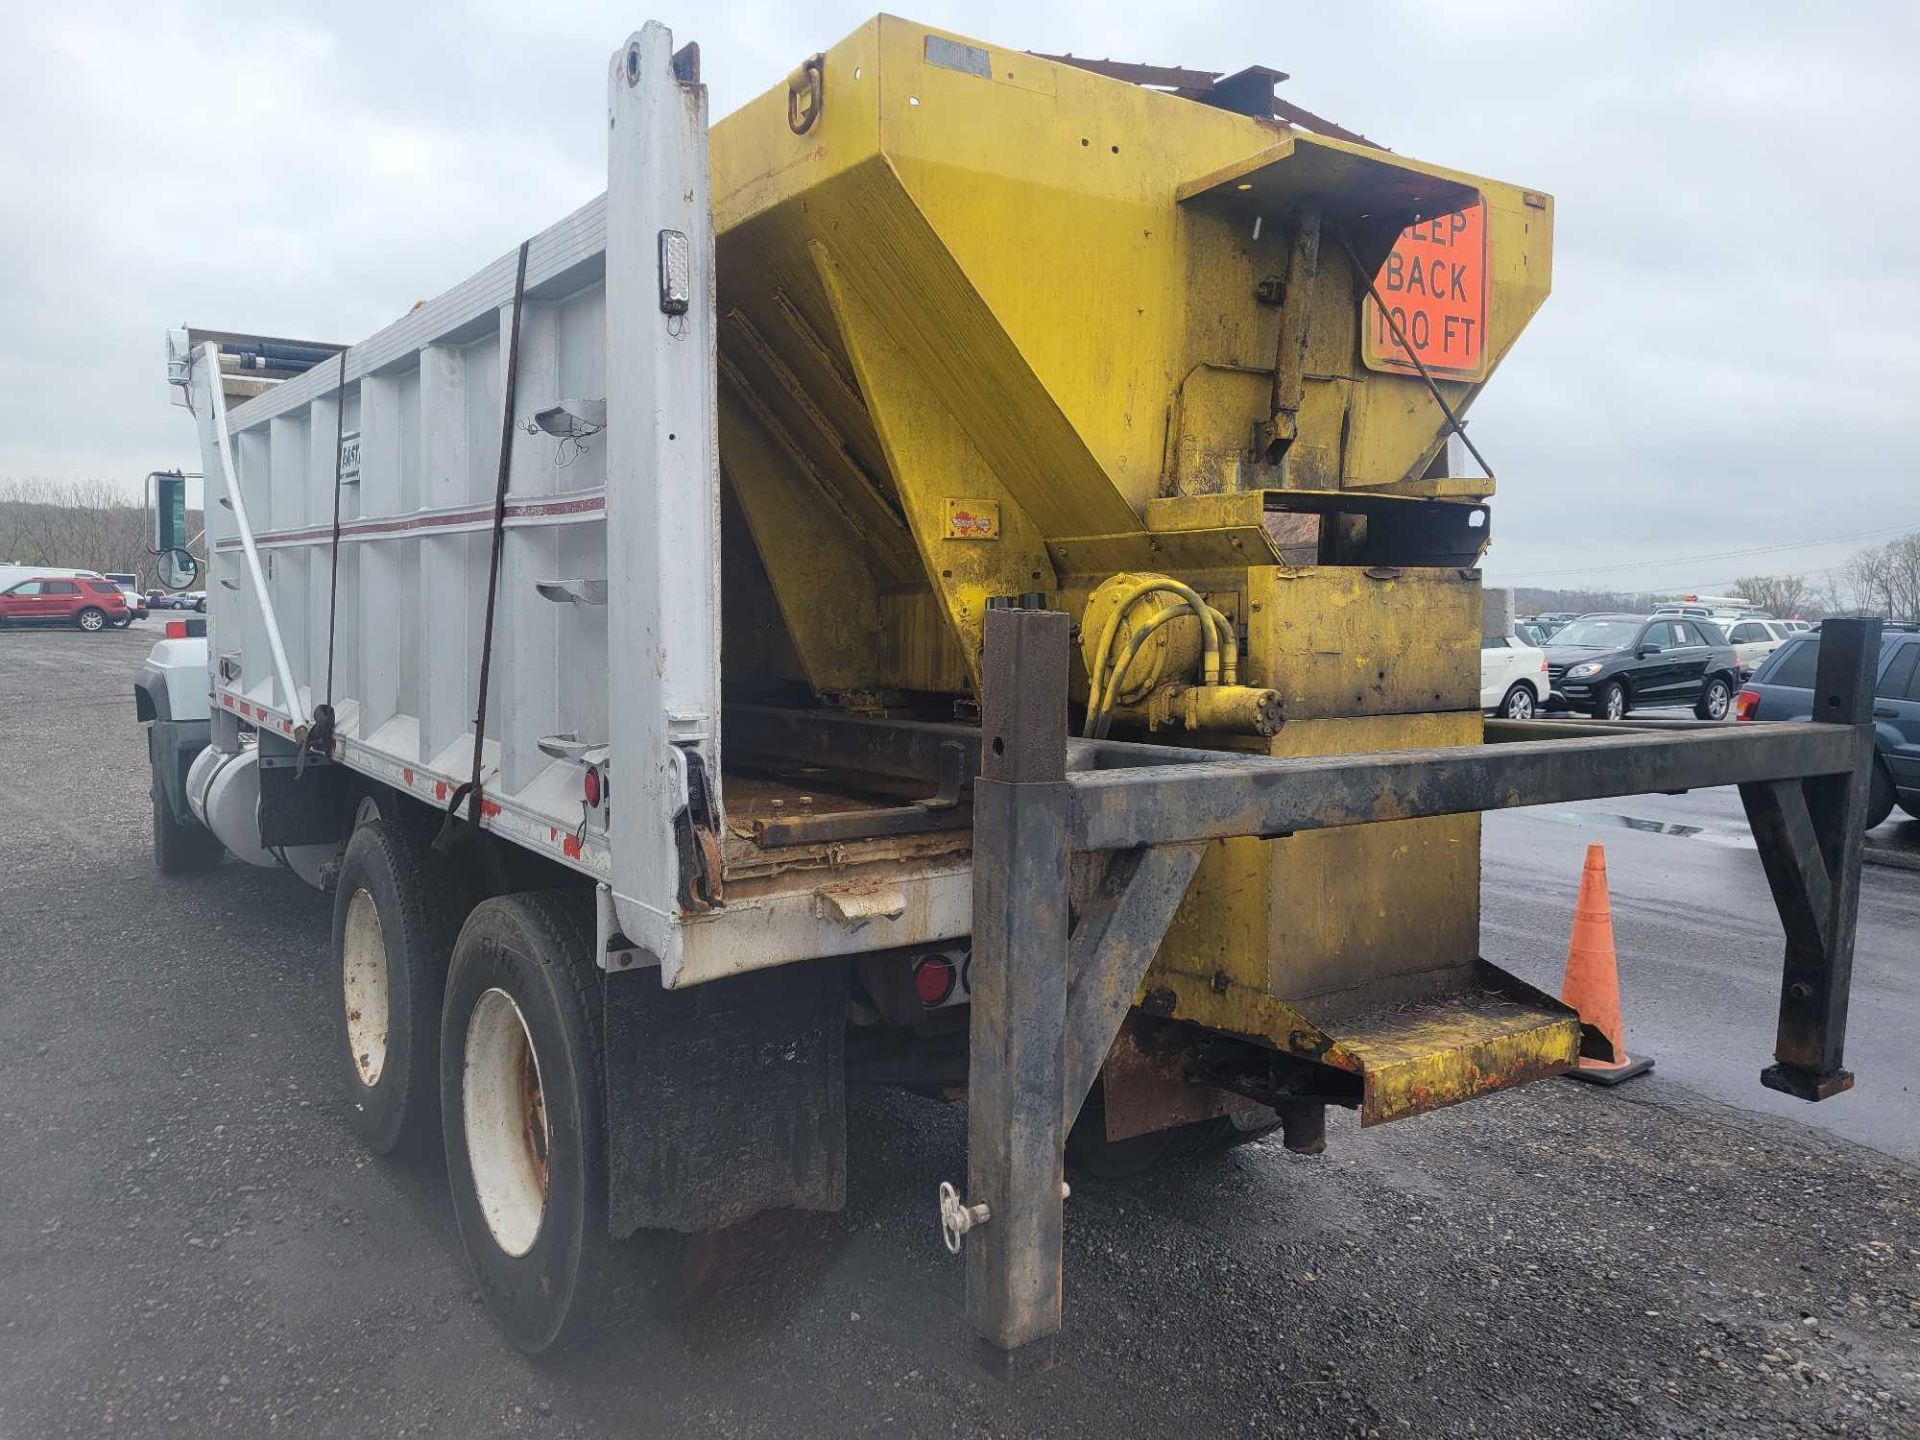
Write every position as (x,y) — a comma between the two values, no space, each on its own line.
(191,1243)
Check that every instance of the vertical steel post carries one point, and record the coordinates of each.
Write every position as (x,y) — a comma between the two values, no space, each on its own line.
(1819,967)
(1015,1121)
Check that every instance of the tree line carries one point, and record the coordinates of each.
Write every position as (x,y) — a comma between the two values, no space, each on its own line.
(1881,580)
(77,525)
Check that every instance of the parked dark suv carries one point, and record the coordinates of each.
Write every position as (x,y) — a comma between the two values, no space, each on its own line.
(1782,689)
(1608,664)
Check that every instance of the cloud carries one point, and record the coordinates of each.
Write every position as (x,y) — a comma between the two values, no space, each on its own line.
(1726,360)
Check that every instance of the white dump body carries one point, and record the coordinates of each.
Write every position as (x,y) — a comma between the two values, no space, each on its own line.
(605,646)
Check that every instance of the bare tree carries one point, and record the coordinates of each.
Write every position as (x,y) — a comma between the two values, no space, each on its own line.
(1788,596)
(1883,581)
(76,524)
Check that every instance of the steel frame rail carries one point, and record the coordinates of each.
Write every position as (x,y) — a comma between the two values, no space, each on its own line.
(1050,989)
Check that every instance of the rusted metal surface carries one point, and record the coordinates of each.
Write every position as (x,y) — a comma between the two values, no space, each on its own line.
(533,1117)
(1145,1083)
(1249,91)
(1420,1056)
(1245,795)
(774,834)
(1165,77)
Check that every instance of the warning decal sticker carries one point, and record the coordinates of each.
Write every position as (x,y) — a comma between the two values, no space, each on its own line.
(973,520)
(1435,287)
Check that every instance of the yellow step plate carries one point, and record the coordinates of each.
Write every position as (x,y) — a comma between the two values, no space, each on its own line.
(1413,1057)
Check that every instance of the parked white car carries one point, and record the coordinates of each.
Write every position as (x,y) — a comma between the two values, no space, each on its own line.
(1513,679)
(1754,640)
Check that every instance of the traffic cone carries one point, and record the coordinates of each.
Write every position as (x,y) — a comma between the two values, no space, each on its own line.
(1592,982)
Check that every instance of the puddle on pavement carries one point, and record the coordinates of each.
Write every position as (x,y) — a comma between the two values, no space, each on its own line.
(1734,839)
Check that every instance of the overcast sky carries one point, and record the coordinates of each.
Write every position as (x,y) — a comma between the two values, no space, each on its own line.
(1727,361)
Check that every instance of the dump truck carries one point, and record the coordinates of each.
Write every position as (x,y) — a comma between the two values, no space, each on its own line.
(952,578)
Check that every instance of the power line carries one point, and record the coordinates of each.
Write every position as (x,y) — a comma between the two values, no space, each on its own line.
(1718,555)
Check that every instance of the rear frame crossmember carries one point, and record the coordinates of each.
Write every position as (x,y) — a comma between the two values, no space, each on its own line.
(1050,989)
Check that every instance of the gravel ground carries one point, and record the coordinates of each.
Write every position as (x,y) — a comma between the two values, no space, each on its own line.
(191,1243)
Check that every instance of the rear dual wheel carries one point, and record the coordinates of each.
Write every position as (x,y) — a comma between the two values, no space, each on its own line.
(397,909)
(523,1107)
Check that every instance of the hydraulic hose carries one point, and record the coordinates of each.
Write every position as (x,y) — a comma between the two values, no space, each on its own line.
(1209,634)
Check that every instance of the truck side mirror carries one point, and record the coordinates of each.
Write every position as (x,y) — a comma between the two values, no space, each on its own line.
(169,511)
(174,565)
(176,569)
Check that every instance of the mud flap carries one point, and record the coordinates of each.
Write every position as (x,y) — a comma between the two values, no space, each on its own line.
(301,803)
(725,1099)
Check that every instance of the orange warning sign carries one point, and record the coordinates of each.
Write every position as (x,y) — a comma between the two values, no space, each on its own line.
(1435,286)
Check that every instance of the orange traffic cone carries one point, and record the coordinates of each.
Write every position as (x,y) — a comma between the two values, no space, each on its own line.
(1592,982)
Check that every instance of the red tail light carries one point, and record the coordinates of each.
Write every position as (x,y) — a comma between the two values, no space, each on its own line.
(933,978)
(176,629)
(1745,703)
(590,785)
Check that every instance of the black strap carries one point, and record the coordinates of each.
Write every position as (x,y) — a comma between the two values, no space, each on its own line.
(470,790)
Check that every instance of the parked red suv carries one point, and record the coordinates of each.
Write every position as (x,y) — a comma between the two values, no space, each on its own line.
(92,604)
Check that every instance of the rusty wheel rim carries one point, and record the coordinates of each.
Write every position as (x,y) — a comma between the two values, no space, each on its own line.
(504,1115)
(363,983)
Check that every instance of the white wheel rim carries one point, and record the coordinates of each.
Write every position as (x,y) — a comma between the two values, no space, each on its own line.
(90,621)
(1521,706)
(504,1114)
(363,971)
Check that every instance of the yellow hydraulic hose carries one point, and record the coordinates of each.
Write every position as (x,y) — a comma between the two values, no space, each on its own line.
(1229,648)
(1100,716)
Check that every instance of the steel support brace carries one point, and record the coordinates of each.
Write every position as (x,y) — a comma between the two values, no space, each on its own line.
(1115,938)
(1810,832)
(1016,1130)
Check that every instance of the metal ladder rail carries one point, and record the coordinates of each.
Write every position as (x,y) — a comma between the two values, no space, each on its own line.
(209,368)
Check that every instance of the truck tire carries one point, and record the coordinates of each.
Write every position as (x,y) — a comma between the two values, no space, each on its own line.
(523,1109)
(181,848)
(92,619)
(1092,1154)
(397,909)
